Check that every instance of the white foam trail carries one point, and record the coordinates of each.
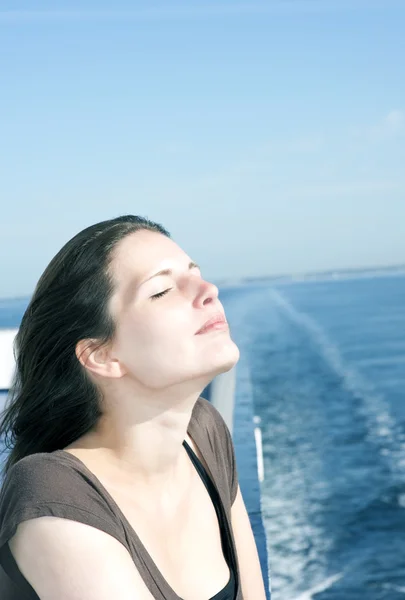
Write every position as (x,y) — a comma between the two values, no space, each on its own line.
(321,587)
(397,588)
(375,408)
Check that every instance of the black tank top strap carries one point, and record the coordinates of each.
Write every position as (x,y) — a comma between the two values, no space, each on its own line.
(228,592)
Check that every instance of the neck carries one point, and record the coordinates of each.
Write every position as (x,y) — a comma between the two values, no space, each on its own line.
(140,439)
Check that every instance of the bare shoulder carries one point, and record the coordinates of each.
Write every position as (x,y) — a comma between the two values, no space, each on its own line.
(69,560)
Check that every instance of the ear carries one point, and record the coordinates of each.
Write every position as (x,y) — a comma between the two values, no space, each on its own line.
(98,359)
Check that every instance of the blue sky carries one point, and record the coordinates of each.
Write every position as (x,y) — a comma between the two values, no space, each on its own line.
(268,137)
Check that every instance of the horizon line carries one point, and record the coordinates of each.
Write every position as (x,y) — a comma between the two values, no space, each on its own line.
(290,274)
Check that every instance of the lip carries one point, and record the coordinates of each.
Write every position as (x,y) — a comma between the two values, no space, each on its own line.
(217,319)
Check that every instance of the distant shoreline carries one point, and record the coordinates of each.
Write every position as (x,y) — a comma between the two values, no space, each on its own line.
(328,275)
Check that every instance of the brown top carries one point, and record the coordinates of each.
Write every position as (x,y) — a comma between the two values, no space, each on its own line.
(60,485)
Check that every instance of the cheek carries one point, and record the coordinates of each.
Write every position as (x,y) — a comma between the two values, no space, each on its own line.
(158,352)
(156,339)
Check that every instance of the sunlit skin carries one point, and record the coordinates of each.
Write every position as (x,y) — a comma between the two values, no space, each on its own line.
(153,372)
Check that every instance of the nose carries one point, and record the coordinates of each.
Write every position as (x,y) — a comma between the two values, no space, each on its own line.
(208,292)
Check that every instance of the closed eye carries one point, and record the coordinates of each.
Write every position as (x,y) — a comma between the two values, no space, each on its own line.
(160,294)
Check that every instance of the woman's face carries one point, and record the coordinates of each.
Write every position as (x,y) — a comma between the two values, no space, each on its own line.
(157,317)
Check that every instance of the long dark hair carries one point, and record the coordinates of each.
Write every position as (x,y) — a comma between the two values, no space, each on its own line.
(52,402)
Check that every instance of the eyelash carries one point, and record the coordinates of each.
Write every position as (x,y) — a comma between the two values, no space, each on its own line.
(160,294)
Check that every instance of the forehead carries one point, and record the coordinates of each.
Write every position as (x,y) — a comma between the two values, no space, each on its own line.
(140,254)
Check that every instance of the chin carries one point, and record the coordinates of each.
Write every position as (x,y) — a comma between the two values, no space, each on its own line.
(226,358)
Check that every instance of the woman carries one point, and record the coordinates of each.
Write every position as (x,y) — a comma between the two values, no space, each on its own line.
(111,442)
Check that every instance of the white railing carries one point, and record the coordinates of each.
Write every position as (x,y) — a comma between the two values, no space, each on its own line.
(7,363)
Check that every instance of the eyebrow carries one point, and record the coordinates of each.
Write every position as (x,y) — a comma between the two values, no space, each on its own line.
(191,265)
